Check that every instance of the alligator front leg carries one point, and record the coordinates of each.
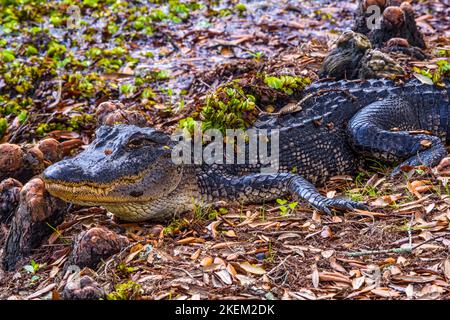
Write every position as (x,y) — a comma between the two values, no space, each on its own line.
(371,132)
(257,188)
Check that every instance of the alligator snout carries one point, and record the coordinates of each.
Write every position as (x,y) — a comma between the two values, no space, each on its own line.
(63,171)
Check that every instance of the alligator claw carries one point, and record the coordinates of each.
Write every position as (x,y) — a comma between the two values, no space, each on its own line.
(428,158)
(338,204)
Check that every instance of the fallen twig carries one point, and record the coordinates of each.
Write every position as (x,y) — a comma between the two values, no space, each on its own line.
(394,250)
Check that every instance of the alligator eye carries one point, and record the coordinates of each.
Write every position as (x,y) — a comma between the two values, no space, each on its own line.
(136,143)
(139,142)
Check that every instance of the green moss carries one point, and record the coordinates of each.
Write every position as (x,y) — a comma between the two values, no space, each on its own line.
(175,226)
(90,3)
(127,89)
(3,126)
(56,50)
(31,50)
(125,291)
(7,55)
(22,116)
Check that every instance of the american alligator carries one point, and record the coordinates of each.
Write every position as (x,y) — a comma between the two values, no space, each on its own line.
(129,171)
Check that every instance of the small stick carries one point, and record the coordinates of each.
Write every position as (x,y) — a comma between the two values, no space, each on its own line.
(395,250)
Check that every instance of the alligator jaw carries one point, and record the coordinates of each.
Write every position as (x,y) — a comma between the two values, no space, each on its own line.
(86,194)
(126,209)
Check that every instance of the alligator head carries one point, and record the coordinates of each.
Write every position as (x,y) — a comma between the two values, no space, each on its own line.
(126,169)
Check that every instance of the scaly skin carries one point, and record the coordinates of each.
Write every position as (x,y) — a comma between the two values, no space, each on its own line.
(128,169)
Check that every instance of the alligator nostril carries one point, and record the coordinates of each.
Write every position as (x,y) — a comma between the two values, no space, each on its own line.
(62,171)
(51,173)
(136,193)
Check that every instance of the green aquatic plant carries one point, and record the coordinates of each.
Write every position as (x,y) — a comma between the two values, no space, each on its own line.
(287,84)
(229,108)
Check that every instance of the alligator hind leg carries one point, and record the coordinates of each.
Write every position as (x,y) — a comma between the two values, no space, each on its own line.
(371,132)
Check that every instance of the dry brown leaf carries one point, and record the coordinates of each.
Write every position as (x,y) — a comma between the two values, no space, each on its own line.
(232,256)
(42,291)
(430,291)
(336,219)
(419,186)
(354,273)
(288,235)
(231,270)
(245,280)
(358,282)
(54,271)
(316,217)
(189,240)
(446,268)
(206,261)
(412,279)
(196,254)
(385,201)
(315,278)
(423,79)
(326,232)
(224,276)
(134,252)
(213,267)
(369,213)
(430,207)
(224,245)
(409,290)
(230,233)
(250,268)
(336,266)
(385,292)
(219,261)
(327,253)
(401,261)
(334,276)
(394,270)
(213,227)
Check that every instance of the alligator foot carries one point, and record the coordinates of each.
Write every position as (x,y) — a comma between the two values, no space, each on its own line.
(303,189)
(325,205)
(371,132)
(428,158)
